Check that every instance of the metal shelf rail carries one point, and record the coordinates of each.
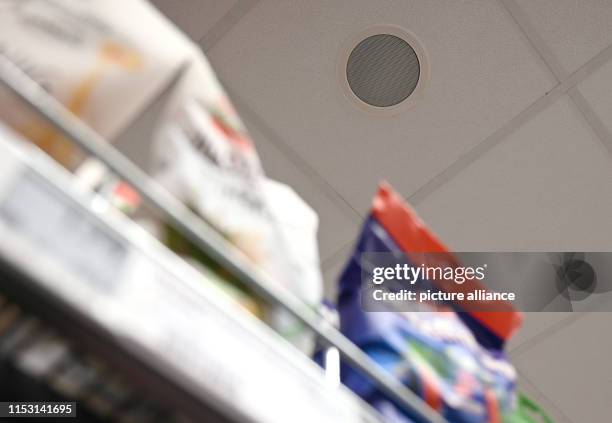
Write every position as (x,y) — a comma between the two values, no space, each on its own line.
(205,237)
(115,291)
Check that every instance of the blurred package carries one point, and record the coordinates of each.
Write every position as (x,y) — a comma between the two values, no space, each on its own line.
(204,156)
(105,66)
(434,352)
(93,175)
(103,60)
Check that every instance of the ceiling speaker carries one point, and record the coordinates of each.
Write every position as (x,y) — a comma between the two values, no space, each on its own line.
(383,70)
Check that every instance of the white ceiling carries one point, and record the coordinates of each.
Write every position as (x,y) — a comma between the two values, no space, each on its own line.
(196,17)
(509,149)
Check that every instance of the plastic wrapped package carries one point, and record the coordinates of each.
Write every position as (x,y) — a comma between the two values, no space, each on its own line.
(92,175)
(104,60)
(437,354)
(205,157)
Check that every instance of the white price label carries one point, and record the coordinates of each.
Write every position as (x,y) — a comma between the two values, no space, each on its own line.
(64,230)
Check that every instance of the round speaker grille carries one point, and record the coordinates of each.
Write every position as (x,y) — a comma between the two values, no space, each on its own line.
(383,70)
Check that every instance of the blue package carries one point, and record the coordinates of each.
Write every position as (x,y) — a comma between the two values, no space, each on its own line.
(453,361)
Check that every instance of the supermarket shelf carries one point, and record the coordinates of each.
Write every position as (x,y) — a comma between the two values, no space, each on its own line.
(74,326)
(205,237)
(103,279)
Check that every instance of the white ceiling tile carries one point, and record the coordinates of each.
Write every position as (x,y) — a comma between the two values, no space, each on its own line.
(534,326)
(597,90)
(282,59)
(547,187)
(573,368)
(194,17)
(574,31)
(336,223)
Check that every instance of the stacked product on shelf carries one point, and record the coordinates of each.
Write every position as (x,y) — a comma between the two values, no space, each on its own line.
(105,69)
(40,364)
(128,307)
(205,157)
(452,358)
(104,61)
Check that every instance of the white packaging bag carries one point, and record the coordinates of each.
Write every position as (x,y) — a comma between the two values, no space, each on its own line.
(210,163)
(103,60)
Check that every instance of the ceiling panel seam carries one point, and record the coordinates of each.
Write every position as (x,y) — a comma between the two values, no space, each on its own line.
(592,120)
(534,340)
(484,146)
(546,334)
(339,254)
(522,117)
(226,23)
(534,39)
(296,159)
(566,82)
(560,73)
(538,391)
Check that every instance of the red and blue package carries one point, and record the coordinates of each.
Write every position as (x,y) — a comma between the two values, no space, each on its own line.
(453,359)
